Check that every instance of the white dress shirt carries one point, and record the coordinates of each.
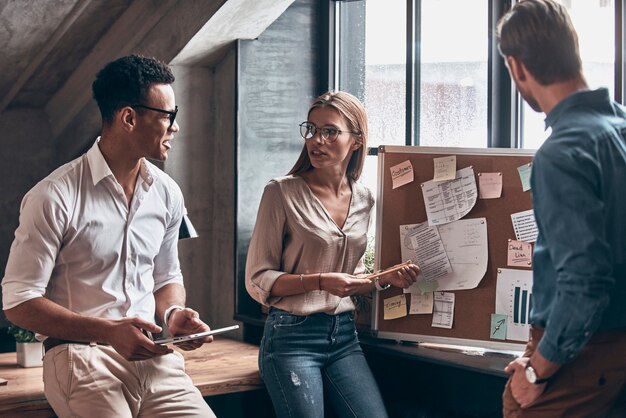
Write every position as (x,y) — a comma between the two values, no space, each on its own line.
(80,245)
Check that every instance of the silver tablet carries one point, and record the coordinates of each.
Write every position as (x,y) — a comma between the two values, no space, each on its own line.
(190,337)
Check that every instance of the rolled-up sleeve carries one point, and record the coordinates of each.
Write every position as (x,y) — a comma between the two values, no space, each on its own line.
(570,216)
(264,262)
(43,217)
(166,263)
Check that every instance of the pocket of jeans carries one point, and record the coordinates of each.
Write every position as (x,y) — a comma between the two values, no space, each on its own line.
(288,320)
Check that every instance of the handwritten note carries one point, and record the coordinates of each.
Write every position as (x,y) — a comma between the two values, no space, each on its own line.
(443,310)
(525,226)
(421,303)
(395,307)
(449,201)
(489,185)
(401,174)
(524,175)
(445,168)
(519,254)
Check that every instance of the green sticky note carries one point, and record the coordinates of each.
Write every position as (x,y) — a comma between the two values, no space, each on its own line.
(498,326)
(524,176)
(426,286)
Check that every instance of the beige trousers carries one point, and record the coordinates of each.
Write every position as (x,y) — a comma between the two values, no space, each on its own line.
(96,382)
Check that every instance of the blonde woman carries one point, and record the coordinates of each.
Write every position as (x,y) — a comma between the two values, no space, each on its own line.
(304,261)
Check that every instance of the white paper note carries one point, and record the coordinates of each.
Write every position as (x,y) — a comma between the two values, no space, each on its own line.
(430,252)
(443,311)
(525,226)
(421,303)
(465,243)
(449,201)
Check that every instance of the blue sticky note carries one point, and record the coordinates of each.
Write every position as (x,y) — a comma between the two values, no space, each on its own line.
(498,326)
(524,175)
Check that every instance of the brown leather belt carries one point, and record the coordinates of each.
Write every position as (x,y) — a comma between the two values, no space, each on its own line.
(49,343)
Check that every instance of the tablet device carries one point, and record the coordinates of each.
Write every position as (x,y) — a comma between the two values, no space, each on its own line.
(190,337)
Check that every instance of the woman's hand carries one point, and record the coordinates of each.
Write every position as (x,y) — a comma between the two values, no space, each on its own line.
(342,284)
(403,278)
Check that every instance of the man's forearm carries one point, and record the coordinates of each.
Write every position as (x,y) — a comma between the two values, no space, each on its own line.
(45,317)
(168,295)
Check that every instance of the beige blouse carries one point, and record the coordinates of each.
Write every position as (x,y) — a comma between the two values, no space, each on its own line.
(295,234)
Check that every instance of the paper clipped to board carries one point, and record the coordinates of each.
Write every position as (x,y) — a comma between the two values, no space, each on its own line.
(445,168)
(449,201)
(489,185)
(401,174)
(465,244)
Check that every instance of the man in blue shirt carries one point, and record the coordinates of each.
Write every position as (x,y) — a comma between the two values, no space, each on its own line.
(575,361)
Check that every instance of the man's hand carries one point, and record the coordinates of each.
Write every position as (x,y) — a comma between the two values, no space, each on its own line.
(127,337)
(187,321)
(524,392)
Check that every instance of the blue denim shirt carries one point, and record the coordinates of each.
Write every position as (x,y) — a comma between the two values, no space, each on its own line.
(579,198)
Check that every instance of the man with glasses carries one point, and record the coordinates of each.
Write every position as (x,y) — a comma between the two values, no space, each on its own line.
(95,263)
(574,364)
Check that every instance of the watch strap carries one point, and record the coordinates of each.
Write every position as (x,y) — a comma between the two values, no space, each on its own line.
(379,287)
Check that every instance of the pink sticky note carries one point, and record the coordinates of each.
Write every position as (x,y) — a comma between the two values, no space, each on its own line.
(489,185)
(519,254)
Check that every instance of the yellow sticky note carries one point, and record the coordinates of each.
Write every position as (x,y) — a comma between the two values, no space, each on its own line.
(445,168)
(395,307)
(401,174)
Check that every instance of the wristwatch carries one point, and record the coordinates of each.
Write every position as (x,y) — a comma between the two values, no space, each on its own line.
(531,376)
(379,287)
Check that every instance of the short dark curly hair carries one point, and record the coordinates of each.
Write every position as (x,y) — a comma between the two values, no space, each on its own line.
(126,81)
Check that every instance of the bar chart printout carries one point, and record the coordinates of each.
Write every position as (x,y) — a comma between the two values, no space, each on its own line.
(514,299)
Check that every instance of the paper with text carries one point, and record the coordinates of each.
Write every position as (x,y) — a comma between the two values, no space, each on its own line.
(445,168)
(443,310)
(401,174)
(498,326)
(525,226)
(465,244)
(520,254)
(449,201)
(489,185)
(395,307)
(514,299)
(430,253)
(421,303)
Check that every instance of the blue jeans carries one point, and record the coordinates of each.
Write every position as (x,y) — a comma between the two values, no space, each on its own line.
(307,360)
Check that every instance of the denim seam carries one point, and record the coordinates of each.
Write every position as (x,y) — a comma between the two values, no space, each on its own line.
(280,386)
(330,380)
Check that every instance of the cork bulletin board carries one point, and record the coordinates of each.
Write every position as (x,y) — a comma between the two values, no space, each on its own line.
(405,205)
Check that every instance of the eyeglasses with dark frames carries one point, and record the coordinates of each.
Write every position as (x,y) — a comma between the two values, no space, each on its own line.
(328,133)
(169,112)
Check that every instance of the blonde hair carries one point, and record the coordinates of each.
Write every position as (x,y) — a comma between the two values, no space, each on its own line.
(353,111)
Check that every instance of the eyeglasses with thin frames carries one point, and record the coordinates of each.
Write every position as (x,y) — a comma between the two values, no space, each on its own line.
(169,112)
(328,133)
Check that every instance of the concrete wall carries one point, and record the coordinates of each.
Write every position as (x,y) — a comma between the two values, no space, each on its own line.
(27,156)
(202,163)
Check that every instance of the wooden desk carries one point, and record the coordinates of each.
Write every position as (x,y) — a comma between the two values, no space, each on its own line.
(222,367)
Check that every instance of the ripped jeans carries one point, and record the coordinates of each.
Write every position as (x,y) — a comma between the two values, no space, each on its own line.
(308,360)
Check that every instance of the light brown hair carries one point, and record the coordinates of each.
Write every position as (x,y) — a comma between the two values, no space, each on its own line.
(353,111)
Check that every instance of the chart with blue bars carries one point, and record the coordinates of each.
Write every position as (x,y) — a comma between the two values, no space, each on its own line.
(514,299)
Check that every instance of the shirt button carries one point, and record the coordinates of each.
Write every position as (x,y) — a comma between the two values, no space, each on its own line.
(587,334)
